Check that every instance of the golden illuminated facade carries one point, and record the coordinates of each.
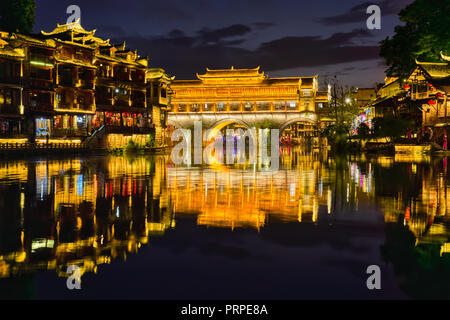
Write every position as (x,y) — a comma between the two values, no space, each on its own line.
(70,83)
(11,89)
(243,90)
(241,93)
(430,86)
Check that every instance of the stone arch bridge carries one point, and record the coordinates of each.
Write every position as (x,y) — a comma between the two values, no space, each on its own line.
(218,121)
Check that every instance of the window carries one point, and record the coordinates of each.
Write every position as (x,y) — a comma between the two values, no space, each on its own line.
(221,106)
(235,106)
(278,106)
(6,97)
(307,93)
(195,107)
(248,106)
(263,106)
(163,93)
(208,107)
(292,105)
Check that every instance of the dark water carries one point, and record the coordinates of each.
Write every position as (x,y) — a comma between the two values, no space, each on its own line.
(139,227)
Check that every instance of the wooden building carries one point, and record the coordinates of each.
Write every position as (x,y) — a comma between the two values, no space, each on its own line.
(11,88)
(246,91)
(68,83)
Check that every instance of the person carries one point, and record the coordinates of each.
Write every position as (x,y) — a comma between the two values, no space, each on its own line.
(47,138)
(409,134)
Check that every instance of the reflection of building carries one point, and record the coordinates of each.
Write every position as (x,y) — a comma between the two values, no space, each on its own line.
(247,198)
(67,216)
(427,215)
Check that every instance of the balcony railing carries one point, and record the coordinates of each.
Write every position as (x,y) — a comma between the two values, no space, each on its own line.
(40,84)
(11,80)
(42,106)
(130,130)
(70,132)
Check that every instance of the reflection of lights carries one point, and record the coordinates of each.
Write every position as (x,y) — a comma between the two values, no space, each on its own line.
(329,196)
(348,192)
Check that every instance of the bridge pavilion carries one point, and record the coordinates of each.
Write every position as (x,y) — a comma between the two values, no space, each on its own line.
(247,98)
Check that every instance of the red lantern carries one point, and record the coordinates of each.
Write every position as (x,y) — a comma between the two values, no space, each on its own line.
(439,95)
(431,102)
(406,87)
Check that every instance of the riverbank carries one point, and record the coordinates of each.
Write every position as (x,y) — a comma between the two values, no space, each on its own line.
(30,149)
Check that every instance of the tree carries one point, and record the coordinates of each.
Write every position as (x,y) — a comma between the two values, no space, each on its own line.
(342,107)
(390,127)
(17,15)
(424,35)
(363,131)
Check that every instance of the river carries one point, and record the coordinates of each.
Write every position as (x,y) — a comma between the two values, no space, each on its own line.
(142,227)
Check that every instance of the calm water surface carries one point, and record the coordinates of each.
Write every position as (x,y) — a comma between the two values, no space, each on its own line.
(140,227)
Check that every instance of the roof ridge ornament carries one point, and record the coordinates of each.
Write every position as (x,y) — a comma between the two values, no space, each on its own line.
(444,57)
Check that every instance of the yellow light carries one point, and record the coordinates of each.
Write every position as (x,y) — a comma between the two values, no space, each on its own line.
(39,63)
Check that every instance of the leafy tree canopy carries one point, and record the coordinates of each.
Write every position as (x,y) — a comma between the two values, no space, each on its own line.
(17,15)
(424,34)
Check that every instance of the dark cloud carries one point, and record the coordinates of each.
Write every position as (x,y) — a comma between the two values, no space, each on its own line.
(214,36)
(263,25)
(357,14)
(110,30)
(185,55)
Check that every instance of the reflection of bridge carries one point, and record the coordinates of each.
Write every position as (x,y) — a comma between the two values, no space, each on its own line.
(245,97)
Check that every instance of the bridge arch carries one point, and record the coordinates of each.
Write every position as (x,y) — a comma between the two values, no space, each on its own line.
(296,120)
(219,125)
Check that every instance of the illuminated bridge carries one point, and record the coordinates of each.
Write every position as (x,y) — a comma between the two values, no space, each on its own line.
(247,98)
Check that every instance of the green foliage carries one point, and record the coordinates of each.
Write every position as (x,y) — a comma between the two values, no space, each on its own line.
(17,15)
(424,34)
(424,273)
(390,127)
(342,107)
(337,135)
(131,146)
(363,131)
(150,141)
(266,124)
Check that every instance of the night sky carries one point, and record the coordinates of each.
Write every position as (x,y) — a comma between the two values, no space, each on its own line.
(284,37)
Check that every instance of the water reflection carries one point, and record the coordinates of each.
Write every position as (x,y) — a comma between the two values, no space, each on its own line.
(89,211)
